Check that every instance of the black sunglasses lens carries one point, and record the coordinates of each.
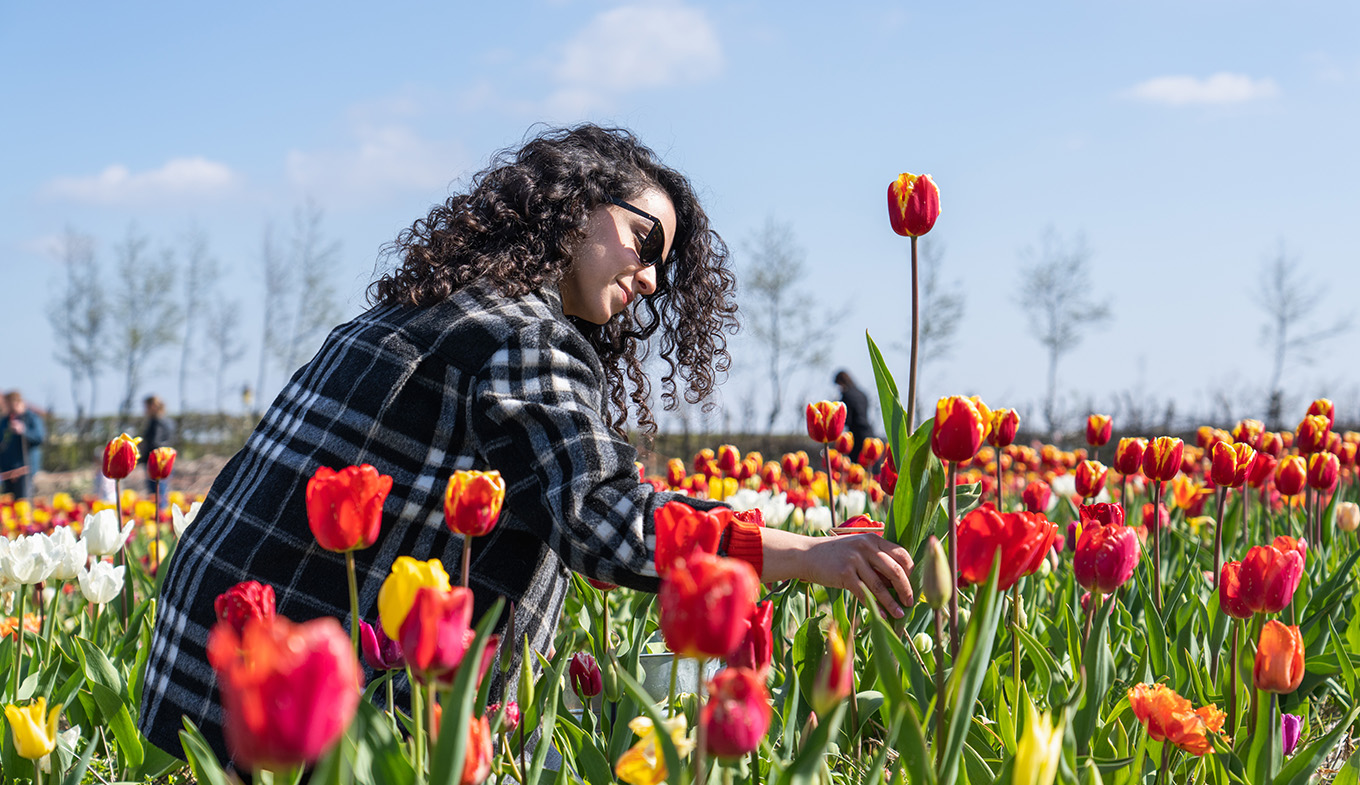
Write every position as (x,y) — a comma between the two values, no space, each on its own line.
(652,245)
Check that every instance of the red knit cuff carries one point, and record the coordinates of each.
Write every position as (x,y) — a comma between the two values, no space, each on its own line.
(744,542)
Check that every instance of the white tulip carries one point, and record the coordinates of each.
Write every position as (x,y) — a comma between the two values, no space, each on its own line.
(852,502)
(30,561)
(102,582)
(69,553)
(181,521)
(102,535)
(67,741)
(6,578)
(817,519)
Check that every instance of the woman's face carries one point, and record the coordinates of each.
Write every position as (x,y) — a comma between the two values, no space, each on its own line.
(606,272)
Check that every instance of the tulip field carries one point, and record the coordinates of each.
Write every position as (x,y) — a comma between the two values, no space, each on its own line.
(1186,613)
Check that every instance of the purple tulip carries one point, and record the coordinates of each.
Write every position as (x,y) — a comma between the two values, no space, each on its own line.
(380,652)
(1291,727)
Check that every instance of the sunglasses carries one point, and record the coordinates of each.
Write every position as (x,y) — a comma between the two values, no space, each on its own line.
(649,252)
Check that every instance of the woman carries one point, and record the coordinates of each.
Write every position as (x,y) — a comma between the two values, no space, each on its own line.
(156,432)
(510,336)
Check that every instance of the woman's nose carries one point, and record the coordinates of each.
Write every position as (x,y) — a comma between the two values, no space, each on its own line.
(646,279)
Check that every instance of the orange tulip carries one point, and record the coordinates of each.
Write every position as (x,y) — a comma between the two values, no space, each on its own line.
(1005,423)
(1128,455)
(835,676)
(1324,469)
(681,530)
(1170,717)
(1312,434)
(825,421)
(706,604)
(1291,473)
(1090,478)
(344,508)
(1162,458)
(1098,429)
(1279,658)
(472,502)
(913,204)
(120,456)
(160,463)
(961,425)
(479,751)
(1231,464)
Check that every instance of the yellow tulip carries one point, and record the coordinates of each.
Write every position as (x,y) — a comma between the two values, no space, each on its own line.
(32,739)
(644,763)
(398,591)
(63,502)
(1040,747)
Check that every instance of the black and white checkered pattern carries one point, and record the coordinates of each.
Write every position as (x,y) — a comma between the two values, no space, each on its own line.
(480,381)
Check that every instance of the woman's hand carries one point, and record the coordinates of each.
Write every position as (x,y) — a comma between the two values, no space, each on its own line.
(866,564)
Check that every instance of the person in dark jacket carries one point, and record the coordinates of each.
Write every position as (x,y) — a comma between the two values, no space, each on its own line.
(856,411)
(510,336)
(158,431)
(21,438)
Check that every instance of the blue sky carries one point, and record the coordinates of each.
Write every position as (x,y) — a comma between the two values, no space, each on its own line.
(1185,141)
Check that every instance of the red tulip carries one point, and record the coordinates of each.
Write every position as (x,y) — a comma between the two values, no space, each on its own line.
(479,752)
(860,524)
(434,636)
(1249,432)
(756,649)
(344,508)
(1230,598)
(1102,514)
(288,690)
(844,443)
(602,585)
(1269,578)
(1324,469)
(706,603)
(1023,539)
(585,675)
(160,463)
(510,722)
(1290,475)
(1090,478)
(913,204)
(1036,496)
(729,459)
(245,601)
(1279,658)
(771,474)
(1231,464)
(1325,408)
(1157,519)
(1272,443)
(835,677)
(1312,434)
(1162,458)
(887,474)
(870,451)
(1098,428)
(1106,557)
(825,421)
(1284,544)
(961,425)
(681,530)
(1128,455)
(702,459)
(737,714)
(1005,423)
(120,456)
(472,502)
(675,472)
(1347,454)
(1262,469)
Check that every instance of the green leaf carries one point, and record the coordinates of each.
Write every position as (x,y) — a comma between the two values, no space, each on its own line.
(969,670)
(200,756)
(1343,659)
(1305,762)
(667,746)
(446,764)
(1350,772)
(807,656)
(807,763)
(107,687)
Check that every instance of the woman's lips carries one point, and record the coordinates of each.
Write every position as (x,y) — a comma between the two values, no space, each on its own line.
(627,295)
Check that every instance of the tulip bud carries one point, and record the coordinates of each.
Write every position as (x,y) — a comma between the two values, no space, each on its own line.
(160,463)
(913,204)
(937,584)
(1312,434)
(1231,464)
(1279,658)
(1325,408)
(923,642)
(1348,516)
(1262,469)
(961,426)
(1106,557)
(1098,429)
(834,677)
(729,459)
(1291,728)
(244,601)
(1005,424)
(609,673)
(585,675)
(870,451)
(1162,458)
(1290,475)
(825,421)
(1155,519)
(887,474)
(1090,478)
(1272,443)
(1324,469)
(472,502)
(120,456)
(845,442)
(1037,496)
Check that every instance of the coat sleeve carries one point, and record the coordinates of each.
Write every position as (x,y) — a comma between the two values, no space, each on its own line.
(538,417)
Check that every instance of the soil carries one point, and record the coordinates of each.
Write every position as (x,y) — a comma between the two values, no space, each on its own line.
(192,478)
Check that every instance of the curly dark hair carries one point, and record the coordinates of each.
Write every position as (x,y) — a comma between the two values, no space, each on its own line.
(516,226)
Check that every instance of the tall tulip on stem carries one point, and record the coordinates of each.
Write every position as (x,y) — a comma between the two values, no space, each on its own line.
(159,464)
(472,504)
(1161,463)
(344,512)
(913,207)
(120,458)
(825,422)
(1001,434)
(961,426)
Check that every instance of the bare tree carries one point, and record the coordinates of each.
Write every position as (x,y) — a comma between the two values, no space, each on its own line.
(315,310)
(145,312)
(1289,299)
(77,316)
(788,322)
(1056,295)
(222,320)
(275,280)
(942,308)
(201,273)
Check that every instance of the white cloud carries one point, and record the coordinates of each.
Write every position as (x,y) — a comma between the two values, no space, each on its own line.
(634,47)
(177,179)
(1221,88)
(386,159)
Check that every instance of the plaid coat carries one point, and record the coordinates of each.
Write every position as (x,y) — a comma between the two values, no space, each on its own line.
(480,381)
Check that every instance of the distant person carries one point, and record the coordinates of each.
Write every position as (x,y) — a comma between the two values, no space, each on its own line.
(856,411)
(156,432)
(21,438)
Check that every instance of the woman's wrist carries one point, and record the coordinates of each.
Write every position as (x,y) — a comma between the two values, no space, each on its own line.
(785,555)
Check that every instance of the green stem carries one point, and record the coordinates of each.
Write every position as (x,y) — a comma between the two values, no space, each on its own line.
(18,649)
(830,482)
(953,557)
(1015,636)
(701,737)
(353,605)
(670,699)
(156,538)
(1231,687)
(51,623)
(915,332)
(1157,545)
(391,700)
(418,717)
(119,558)
(467,559)
(939,691)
